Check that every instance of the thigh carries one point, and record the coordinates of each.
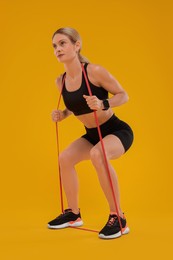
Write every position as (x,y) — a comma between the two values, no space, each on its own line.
(79,150)
(113,146)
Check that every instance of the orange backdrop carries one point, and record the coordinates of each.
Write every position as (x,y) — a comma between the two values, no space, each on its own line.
(133,40)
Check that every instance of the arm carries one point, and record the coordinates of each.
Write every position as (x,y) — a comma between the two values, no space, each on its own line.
(101,77)
(58,115)
(107,81)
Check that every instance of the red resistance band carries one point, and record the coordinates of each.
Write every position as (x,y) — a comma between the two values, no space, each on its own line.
(103,150)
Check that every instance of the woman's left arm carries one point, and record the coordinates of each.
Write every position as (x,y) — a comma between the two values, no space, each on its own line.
(108,82)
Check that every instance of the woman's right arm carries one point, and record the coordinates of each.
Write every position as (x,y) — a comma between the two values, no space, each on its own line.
(59,115)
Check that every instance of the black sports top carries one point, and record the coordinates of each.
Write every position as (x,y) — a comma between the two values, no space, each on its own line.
(74,100)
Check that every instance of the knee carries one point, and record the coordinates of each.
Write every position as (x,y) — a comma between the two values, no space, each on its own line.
(64,158)
(96,156)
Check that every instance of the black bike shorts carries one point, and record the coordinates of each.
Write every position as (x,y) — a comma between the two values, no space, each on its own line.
(114,126)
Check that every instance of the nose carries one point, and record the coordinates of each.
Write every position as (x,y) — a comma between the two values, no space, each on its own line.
(58,50)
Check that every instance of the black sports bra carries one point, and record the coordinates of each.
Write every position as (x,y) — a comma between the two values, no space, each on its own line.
(74,100)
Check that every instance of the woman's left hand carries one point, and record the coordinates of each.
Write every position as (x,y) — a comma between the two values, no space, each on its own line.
(93,102)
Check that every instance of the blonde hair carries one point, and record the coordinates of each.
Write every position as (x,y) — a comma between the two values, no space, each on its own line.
(73,36)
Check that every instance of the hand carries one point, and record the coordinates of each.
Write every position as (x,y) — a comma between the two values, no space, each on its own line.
(93,102)
(57,115)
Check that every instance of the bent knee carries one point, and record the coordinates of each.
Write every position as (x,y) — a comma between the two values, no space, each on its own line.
(64,157)
(96,155)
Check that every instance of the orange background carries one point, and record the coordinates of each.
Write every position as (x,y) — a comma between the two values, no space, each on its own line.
(133,40)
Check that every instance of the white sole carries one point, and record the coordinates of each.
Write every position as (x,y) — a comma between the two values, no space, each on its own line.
(125,231)
(68,224)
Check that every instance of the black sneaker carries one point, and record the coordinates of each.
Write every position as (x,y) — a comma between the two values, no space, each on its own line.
(112,228)
(66,219)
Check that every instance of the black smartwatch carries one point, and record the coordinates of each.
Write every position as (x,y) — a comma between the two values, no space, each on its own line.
(106,104)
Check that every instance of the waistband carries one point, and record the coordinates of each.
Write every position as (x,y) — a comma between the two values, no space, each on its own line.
(113,118)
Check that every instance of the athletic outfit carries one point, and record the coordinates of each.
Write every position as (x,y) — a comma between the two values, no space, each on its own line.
(75,102)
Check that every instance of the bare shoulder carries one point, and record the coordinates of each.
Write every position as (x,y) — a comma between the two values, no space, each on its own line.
(58,81)
(98,73)
(96,68)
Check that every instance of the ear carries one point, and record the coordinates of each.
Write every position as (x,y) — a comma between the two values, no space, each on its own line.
(78,46)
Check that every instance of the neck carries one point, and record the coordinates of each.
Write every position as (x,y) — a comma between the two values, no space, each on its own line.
(73,68)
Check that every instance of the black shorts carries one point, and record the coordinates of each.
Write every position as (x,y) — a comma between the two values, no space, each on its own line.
(113,126)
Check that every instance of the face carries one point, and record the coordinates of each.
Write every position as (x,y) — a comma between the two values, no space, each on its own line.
(64,49)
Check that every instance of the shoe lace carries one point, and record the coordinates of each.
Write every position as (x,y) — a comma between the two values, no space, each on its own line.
(65,212)
(112,220)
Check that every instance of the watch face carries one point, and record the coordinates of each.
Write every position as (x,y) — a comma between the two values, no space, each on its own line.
(106,104)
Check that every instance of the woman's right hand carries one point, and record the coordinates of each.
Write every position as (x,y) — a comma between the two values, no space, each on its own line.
(57,115)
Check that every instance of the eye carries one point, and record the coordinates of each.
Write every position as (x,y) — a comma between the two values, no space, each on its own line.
(54,46)
(62,43)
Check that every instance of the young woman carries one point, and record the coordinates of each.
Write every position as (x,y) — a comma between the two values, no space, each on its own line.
(117,135)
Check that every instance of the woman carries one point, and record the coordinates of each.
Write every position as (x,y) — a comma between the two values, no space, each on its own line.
(117,135)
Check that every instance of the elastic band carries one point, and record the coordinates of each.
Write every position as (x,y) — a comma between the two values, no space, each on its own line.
(57,141)
(103,149)
(86,229)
